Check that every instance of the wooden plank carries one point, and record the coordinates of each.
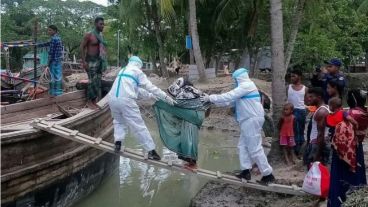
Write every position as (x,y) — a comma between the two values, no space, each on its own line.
(81,119)
(38,112)
(135,155)
(98,140)
(170,162)
(41,102)
(218,174)
(64,111)
(33,113)
(50,109)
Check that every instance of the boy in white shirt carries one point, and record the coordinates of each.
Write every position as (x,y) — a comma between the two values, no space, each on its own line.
(296,93)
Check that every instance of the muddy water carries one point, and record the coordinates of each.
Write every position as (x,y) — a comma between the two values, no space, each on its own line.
(139,184)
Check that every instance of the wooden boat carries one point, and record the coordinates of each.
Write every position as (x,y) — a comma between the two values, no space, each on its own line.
(28,74)
(8,83)
(39,169)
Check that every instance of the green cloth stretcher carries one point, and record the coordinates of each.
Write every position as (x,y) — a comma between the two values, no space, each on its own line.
(179,127)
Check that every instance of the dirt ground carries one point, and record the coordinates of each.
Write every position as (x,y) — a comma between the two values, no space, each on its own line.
(215,194)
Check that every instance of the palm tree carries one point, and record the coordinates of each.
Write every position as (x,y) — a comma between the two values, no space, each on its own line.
(244,17)
(195,41)
(278,63)
(150,15)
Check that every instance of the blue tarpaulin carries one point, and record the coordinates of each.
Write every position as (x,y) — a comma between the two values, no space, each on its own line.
(188,42)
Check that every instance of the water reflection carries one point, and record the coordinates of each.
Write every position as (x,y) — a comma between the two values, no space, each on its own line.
(138,184)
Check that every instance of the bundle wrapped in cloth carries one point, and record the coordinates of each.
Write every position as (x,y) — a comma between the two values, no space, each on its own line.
(179,125)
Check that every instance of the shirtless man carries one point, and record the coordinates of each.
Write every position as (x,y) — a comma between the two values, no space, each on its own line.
(93,52)
(318,147)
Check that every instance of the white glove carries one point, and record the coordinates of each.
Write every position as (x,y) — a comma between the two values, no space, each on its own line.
(205,98)
(170,100)
(151,96)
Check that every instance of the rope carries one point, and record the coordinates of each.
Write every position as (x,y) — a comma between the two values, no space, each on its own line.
(45,77)
(43,80)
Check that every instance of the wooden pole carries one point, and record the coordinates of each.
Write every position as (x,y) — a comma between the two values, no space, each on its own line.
(7,65)
(7,59)
(118,59)
(35,53)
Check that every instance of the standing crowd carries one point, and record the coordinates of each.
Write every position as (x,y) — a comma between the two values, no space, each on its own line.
(334,136)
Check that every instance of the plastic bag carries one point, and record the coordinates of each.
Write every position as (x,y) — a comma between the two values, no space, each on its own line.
(317,180)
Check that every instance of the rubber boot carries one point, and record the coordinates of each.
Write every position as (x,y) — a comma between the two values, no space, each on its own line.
(117,146)
(153,155)
(245,174)
(267,179)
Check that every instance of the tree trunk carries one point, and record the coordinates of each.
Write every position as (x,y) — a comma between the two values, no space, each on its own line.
(156,25)
(217,64)
(195,41)
(278,69)
(366,60)
(253,63)
(191,55)
(236,63)
(255,66)
(297,17)
(244,59)
(153,61)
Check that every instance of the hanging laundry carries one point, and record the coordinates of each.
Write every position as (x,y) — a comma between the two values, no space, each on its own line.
(44,57)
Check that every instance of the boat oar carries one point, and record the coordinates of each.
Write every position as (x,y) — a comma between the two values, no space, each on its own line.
(9,91)
(17,78)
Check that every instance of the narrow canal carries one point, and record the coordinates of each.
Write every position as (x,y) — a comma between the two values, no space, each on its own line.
(138,184)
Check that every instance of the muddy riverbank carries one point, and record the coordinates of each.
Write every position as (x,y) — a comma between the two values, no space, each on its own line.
(215,194)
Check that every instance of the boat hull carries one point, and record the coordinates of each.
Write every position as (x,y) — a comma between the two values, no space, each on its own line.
(34,161)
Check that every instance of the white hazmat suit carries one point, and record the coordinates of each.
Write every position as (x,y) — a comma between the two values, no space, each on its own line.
(250,115)
(131,84)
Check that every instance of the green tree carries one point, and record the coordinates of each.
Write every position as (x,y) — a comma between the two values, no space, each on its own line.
(331,29)
(247,27)
(72,17)
(150,20)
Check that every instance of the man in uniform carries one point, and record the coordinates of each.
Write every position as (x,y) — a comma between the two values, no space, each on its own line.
(332,73)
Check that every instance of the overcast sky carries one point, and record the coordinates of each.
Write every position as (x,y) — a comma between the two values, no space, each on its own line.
(101,2)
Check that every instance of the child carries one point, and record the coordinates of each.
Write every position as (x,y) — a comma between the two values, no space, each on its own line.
(336,116)
(286,127)
(334,90)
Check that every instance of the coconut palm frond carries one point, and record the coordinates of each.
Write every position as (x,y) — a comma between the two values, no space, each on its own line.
(131,13)
(225,13)
(363,7)
(167,9)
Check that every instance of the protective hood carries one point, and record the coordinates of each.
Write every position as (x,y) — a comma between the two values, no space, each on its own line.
(135,61)
(241,76)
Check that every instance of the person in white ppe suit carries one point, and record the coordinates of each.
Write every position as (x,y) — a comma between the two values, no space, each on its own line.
(250,115)
(130,84)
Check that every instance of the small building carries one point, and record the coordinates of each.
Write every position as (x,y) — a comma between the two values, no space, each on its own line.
(358,68)
(28,59)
